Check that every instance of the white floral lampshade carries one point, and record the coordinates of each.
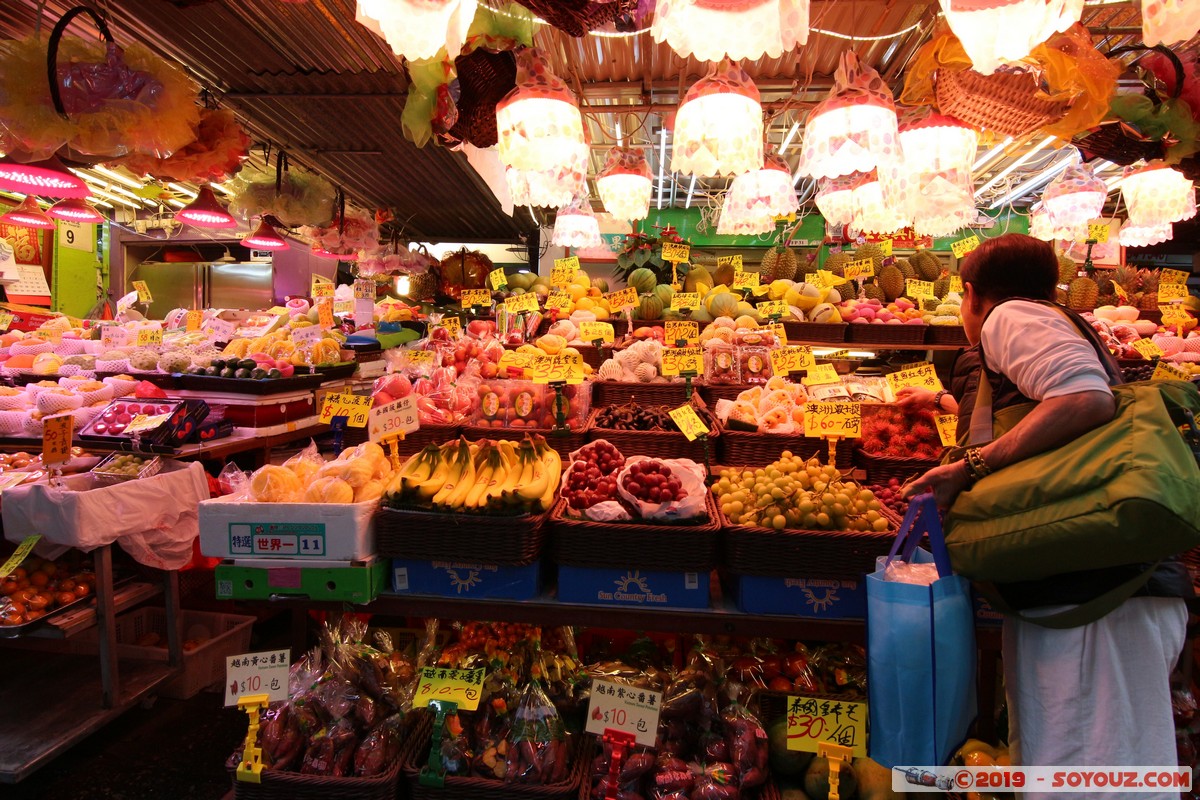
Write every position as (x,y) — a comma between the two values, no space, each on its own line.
(854,128)
(538,123)
(1157,195)
(1142,236)
(835,198)
(1169,21)
(767,191)
(738,222)
(879,207)
(576,226)
(1075,197)
(936,173)
(710,30)
(994,32)
(551,188)
(1042,225)
(625,184)
(719,125)
(417,29)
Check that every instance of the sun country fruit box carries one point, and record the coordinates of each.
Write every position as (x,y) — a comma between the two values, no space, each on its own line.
(303,531)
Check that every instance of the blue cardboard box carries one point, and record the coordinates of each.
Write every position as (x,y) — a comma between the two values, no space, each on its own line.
(802,597)
(632,587)
(466,579)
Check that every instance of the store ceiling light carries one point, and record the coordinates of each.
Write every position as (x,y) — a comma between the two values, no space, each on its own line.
(73,209)
(625,184)
(1030,185)
(551,188)
(206,211)
(1075,197)
(761,194)
(538,123)
(734,221)
(711,30)
(265,237)
(1157,195)
(49,178)
(112,174)
(417,29)
(719,125)
(576,226)
(1138,236)
(28,215)
(854,129)
(879,207)
(995,32)
(835,198)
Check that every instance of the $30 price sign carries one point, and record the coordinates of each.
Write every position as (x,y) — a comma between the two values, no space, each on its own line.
(811,722)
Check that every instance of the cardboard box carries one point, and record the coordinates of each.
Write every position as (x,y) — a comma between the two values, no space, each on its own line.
(466,579)
(304,531)
(326,580)
(985,614)
(815,598)
(632,587)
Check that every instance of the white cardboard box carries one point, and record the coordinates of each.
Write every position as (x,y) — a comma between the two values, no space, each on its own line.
(305,531)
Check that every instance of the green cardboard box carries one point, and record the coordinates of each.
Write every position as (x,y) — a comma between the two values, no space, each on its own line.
(350,582)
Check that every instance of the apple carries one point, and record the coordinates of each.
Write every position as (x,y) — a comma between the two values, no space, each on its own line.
(381,399)
(489,370)
(397,386)
(285,368)
(439,335)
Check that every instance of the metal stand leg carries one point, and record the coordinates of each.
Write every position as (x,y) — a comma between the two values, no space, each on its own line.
(171,599)
(106,619)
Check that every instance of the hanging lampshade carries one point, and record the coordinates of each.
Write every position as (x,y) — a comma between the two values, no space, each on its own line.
(28,215)
(835,197)
(1043,225)
(736,220)
(49,178)
(206,211)
(265,237)
(994,32)
(576,226)
(1040,226)
(1157,194)
(417,29)
(551,188)
(625,184)
(878,207)
(711,30)
(854,129)
(936,172)
(1142,236)
(72,209)
(538,123)
(719,125)
(338,253)
(1075,197)
(764,193)
(1169,21)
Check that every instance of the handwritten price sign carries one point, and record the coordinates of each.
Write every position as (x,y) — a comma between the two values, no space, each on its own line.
(1172,292)
(452,324)
(143,292)
(320,287)
(1169,372)
(772,308)
(731,261)
(1173,316)
(821,374)
(682,330)
(791,359)
(562,276)
(1098,232)
(922,376)
(309,334)
(558,300)
(222,330)
(964,246)
(956,284)
(149,336)
(886,246)
(527,302)
(624,708)
(498,280)
(828,420)
(947,425)
(570,264)
(864,268)
(354,407)
(461,686)
(476,298)
(677,252)
(745,280)
(56,439)
(827,280)
(779,331)
(917,289)
(364,290)
(418,358)
(619,301)
(1174,276)
(192,320)
(689,422)
(394,418)
(552,369)
(324,315)
(596,332)
(1120,292)
(812,721)
(1147,348)
(677,360)
(142,422)
(257,673)
(6,319)
(685,301)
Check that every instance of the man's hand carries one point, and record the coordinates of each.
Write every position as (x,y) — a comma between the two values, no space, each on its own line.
(946,482)
(914,398)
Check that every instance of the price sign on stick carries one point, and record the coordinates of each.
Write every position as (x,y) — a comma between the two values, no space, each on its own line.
(813,721)
(452,324)
(523,302)
(257,673)
(681,330)
(56,439)
(221,330)
(833,420)
(917,289)
(309,334)
(791,359)
(420,358)
(1098,231)
(551,369)
(964,246)
(773,308)
(619,301)
(143,292)
(956,284)
(685,301)
(1169,372)
(624,708)
(562,276)
(1170,292)
(732,261)
(947,425)
(566,266)
(1147,348)
(1174,276)
(325,314)
(149,336)
(557,299)
(886,246)
(863,268)
(677,360)
(461,686)
(399,416)
(745,280)
(354,407)
(689,422)
(822,374)
(364,290)
(677,252)
(596,331)
(498,280)
(192,320)
(320,287)
(476,298)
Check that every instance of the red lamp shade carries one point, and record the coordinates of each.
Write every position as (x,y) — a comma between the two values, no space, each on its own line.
(206,211)
(28,215)
(265,238)
(47,178)
(72,209)
(347,255)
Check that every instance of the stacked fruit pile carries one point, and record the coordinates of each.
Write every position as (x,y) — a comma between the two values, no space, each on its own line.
(894,432)
(39,586)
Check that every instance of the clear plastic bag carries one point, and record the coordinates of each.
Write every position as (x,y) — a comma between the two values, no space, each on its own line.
(306,463)
(908,572)
(234,481)
(538,753)
(748,748)
(691,479)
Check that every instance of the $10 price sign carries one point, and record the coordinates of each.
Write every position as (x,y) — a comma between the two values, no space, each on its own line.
(461,686)
(811,722)
(624,708)
(257,673)
(829,420)
(354,407)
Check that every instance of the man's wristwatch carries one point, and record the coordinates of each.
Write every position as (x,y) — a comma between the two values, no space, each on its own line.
(937,399)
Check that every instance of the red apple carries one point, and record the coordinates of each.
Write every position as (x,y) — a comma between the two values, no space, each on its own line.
(439,335)
(488,370)
(381,399)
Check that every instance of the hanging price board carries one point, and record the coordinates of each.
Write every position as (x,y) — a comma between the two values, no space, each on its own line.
(619,301)
(552,369)
(614,706)
(886,246)
(821,374)
(1172,292)
(827,420)
(689,422)
(476,298)
(1098,232)
(947,426)
(143,292)
(596,331)
(257,673)
(964,246)
(812,722)
(354,407)
(320,287)
(779,331)
(1174,276)
(791,359)
(6,319)
(677,360)
(149,336)
(461,686)
(1169,372)
(864,268)
(498,280)
(399,416)
(193,319)
(685,301)
(681,330)
(558,299)
(527,302)
(916,289)
(956,284)
(325,314)
(1147,348)
(452,324)
(745,280)
(922,376)
(56,439)
(731,261)
(676,252)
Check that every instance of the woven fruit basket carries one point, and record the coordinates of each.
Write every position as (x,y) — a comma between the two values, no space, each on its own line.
(485,538)
(886,335)
(881,469)
(687,546)
(1004,102)
(658,444)
(757,449)
(650,394)
(832,332)
(712,392)
(277,785)
(947,335)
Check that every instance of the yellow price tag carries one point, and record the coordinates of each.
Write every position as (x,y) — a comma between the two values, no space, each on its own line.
(964,246)
(1173,316)
(812,277)
(570,263)
(143,292)
(813,723)
(916,289)
(48,336)
(20,554)
(1098,231)
(685,301)
(956,284)
(791,359)
(56,439)
(863,268)
(551,369)
(149,336)
(947,427)
(745,280)
(921,376)
(619,301)
(193,320)
(681,330)
(6,319)
(418,358)
(886,246)
(773,308)
(1174,276)
(320,287)
(461,686)
(325,314)
(689,422)
(561,276)
(475,298)
(452,324)
(780,332)
(1147,348)
(498,280)
(1169,372)
(676,252)
(527,302)
(354,407)
(1172,292)
(836,355)
(820,374)
(732,261)
(558,299)
(596,331)
(1120,292)
(678,360)
(833,420)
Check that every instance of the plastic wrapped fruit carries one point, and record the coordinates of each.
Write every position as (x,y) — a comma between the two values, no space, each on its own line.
(275,484)
(329,490)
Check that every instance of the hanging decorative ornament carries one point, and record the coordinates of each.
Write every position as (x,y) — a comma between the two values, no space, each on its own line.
(576,225)
(1169,21)
(935,176)
(719,125)
(28,215)
(1157,194)
(72,209)
(417,29)
(711,30)
(1075,197)
(994,32)
(625,184)
(1143,236)
(761,194)
(854,128)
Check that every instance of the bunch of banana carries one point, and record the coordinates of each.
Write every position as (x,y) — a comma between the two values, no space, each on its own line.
(495,476)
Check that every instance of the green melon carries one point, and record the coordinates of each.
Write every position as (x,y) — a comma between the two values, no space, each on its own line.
(651,307)
(700,315)
(698,275)
(724,305)
(601,284)
(664,293)
(642,279)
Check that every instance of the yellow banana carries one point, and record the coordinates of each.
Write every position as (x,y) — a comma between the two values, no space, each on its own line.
(437,478)
(482,481)
(457,460)
(463,487)
(536,486)
(553,463)
(506,475)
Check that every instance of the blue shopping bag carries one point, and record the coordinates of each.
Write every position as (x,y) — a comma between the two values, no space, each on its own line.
(920,651)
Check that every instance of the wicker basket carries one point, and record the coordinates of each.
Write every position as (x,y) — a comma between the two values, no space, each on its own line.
(416,755)
(657,444)
(756,449)
(485,538)
(831,555)
(881,470)
(832,332)
(1110,142)
(649,394)
(1004,102)
(886,335)
(947,335)
(295,786)
(563,442)
(712,392)
(693,546)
